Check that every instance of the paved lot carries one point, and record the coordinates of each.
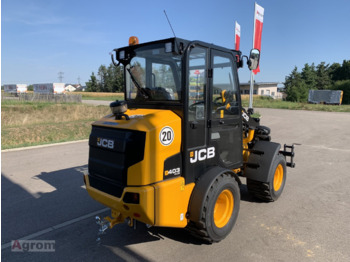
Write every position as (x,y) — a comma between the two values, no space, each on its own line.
(97,102)
(43,198)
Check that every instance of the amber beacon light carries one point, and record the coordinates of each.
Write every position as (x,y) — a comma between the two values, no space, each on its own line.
(133,40)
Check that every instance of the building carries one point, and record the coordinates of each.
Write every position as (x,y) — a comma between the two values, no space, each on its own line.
(72,87)
(263,89)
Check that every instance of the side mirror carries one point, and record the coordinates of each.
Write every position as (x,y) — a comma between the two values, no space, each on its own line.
(254,59)
(112,57)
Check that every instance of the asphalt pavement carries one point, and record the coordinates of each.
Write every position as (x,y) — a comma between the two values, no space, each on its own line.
(43,198)
(97,102)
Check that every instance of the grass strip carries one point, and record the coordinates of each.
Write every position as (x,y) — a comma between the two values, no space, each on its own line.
(36,123)
(13,137)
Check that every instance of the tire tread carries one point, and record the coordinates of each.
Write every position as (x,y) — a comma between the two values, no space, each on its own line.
(260,190)
(198,229)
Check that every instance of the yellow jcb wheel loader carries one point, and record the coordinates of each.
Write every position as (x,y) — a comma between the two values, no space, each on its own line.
(172,153)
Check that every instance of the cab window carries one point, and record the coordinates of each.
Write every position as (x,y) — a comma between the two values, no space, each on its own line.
(225,96)
(153,74)
(197,83)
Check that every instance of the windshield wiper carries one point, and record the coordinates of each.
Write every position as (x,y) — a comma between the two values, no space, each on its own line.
(139,88)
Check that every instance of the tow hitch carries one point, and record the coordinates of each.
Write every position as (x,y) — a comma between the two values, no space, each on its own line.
(110,222)
(104,225)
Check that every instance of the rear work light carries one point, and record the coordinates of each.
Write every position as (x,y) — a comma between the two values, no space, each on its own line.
(131,198)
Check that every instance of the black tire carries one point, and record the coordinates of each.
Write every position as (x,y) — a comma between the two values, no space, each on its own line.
(271,190)
(213,227)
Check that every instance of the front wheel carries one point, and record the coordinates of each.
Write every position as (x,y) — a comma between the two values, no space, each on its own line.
(220,210)
(272,189)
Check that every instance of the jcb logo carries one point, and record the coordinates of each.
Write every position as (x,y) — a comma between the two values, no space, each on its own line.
(202,154)
(106,143)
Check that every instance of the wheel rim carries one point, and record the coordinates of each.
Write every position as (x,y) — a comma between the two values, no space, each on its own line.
(278,178)
(223,208)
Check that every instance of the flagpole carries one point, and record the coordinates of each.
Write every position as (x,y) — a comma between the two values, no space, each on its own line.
(250,108)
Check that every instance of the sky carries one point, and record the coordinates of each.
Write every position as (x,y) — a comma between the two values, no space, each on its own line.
(40,38)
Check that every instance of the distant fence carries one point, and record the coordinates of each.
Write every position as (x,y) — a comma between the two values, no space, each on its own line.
(58,98)
(5,95)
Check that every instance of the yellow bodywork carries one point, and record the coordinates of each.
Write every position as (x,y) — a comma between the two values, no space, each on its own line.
(145,209)
(247,140)
(172,197)
(161,202)
(151,121)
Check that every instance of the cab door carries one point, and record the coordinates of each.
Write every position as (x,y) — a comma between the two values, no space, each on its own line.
(197,97)
(196,121)
(225,131)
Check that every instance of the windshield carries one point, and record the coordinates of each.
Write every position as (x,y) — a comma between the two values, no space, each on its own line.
(153,74)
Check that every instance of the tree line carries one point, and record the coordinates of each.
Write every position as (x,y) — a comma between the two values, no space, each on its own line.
(321,77)
(108,79)
(111,78)
(297,84)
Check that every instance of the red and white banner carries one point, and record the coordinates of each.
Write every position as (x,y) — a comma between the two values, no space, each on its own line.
(258,26)
(237,35)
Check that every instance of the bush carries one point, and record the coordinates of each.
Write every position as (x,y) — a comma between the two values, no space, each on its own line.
(297,92)
(268,98)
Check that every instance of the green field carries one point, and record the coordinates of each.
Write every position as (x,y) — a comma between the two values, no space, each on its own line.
(35,123)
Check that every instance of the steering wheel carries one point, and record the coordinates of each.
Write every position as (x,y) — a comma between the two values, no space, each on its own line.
(222,107)
(217,102)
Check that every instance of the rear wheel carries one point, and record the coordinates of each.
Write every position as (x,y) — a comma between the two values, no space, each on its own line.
(271,190)
(220,210)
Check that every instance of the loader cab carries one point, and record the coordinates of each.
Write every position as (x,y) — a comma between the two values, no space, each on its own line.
(153,74)
(212,109)
(199,82)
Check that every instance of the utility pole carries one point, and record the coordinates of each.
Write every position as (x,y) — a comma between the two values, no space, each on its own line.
(60,76)
(79,80)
